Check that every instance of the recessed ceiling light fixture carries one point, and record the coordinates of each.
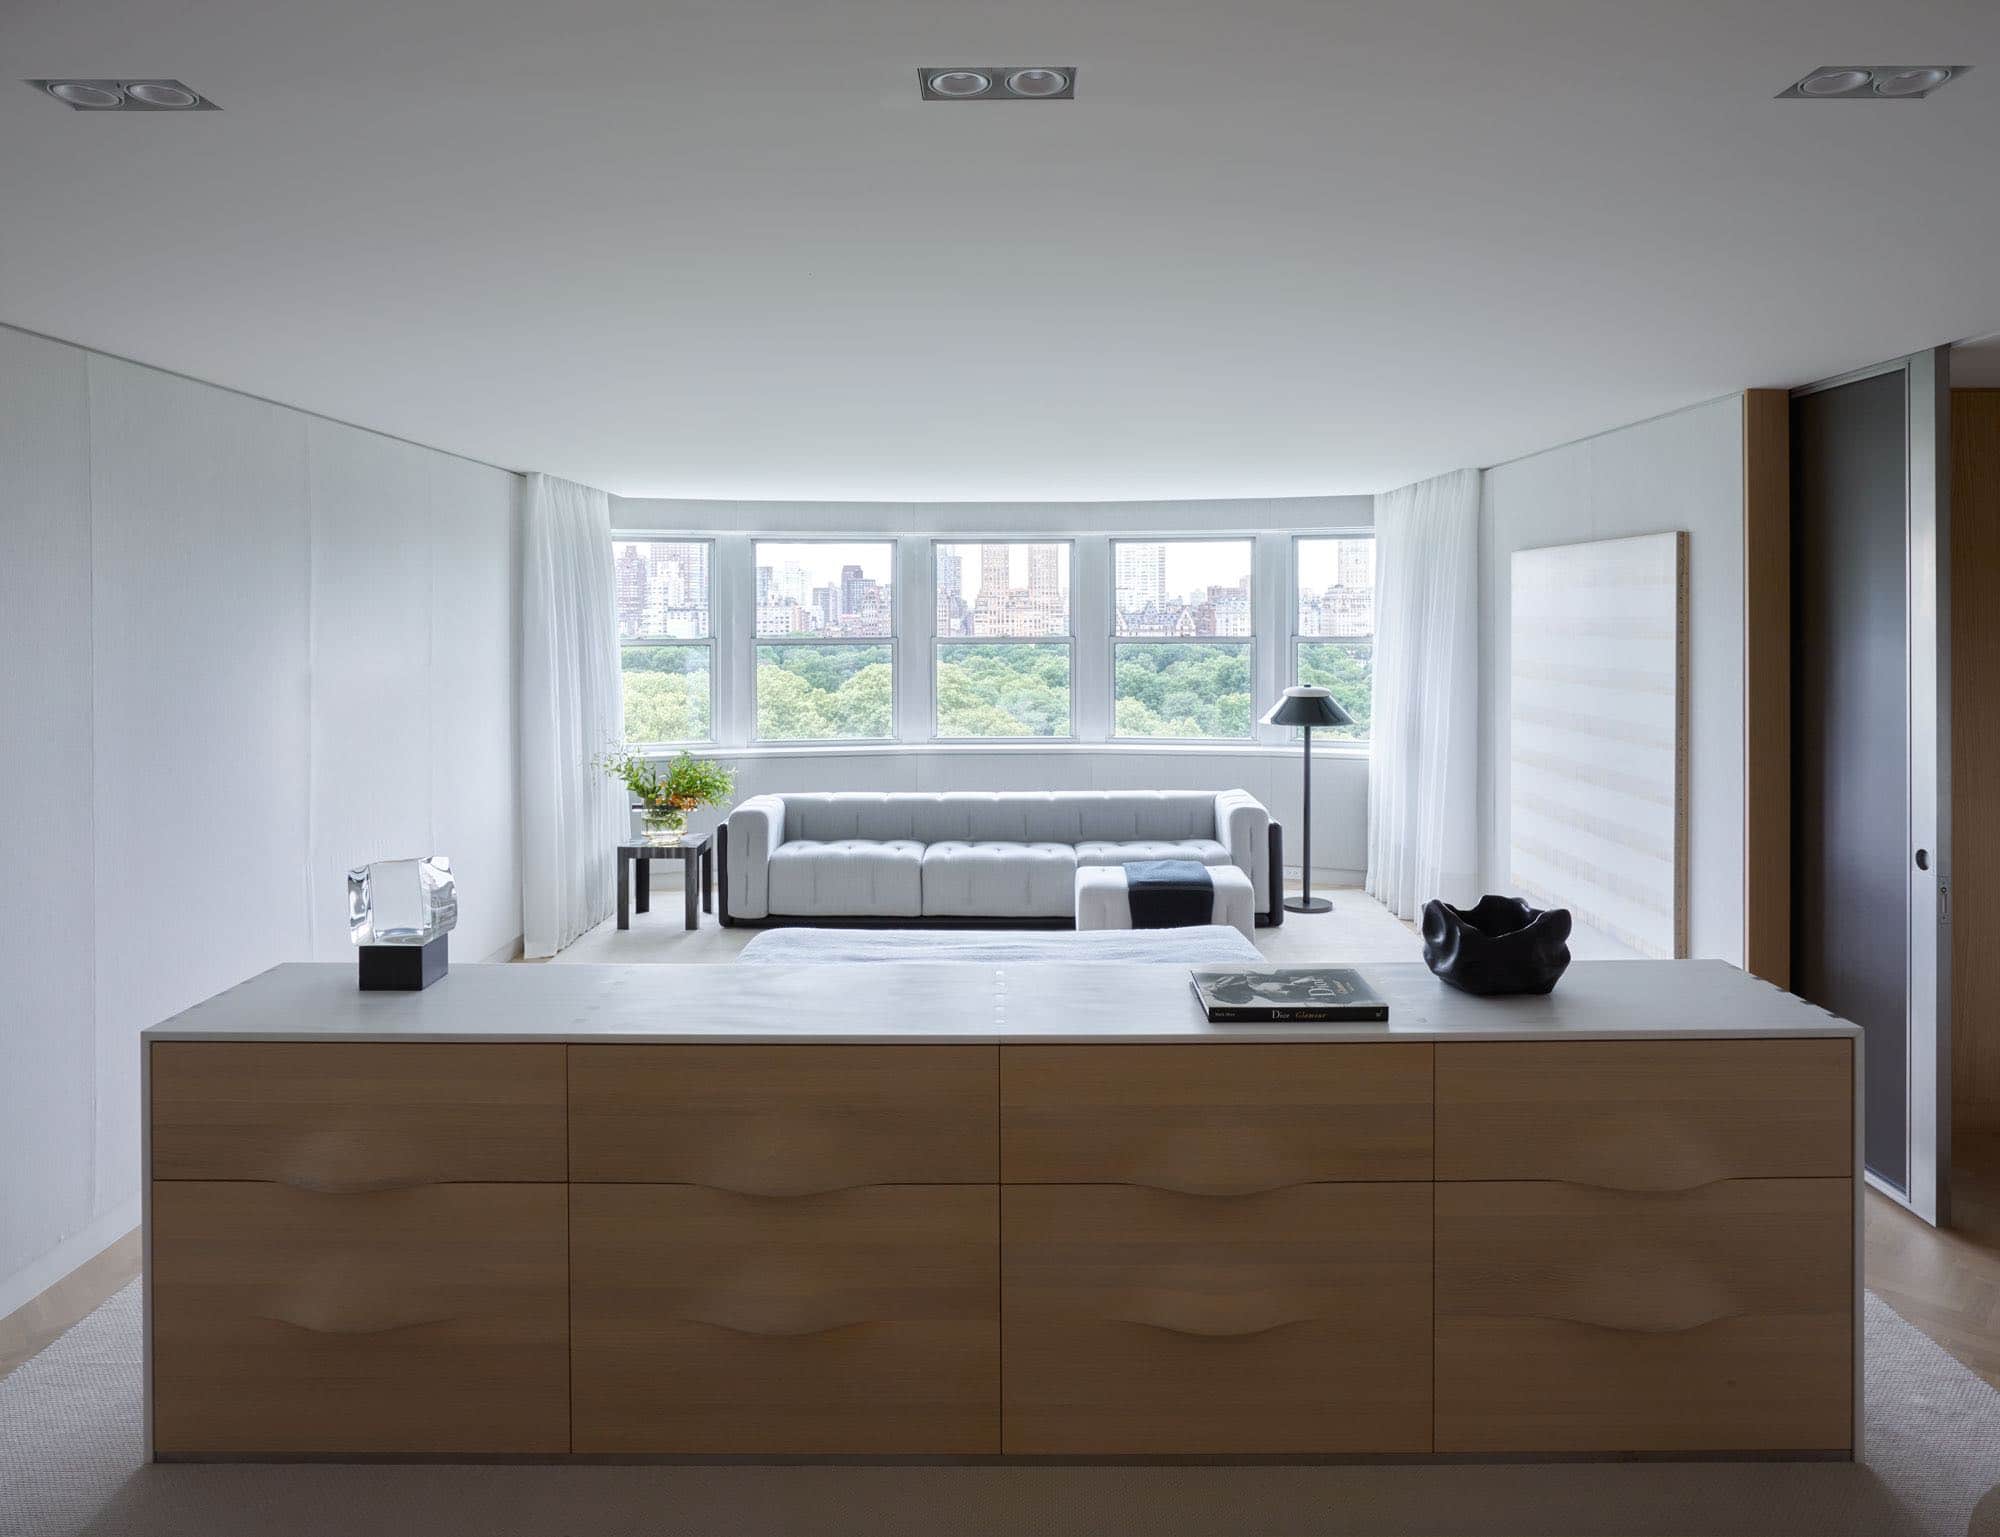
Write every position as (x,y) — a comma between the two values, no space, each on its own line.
(1868,82)
(126,95)
(1007,82)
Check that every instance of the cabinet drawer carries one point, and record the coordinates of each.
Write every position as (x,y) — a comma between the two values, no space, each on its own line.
(1645,1115)
(1144,1322)
(1575,1319)
(858,1321)
(1215,1119)
(783,1120)
(421,1320)
(337,1116)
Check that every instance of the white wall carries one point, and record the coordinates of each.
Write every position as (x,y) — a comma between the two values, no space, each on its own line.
(1683,471)
(244,648)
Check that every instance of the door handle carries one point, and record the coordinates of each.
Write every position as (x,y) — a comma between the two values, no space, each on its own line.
(1923,859)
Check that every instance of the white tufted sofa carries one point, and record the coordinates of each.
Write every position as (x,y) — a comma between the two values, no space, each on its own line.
(973,856)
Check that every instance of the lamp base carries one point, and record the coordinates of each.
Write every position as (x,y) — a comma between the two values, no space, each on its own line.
(1308,905)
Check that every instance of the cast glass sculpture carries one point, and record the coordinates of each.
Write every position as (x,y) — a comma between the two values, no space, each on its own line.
(401,901)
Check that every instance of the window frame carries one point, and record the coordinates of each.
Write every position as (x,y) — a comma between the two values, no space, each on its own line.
(1111,542)
(890,542)
(1357,743)
(1066,638)
(653,642)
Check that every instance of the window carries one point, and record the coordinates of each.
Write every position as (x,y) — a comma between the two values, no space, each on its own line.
(1181,648)
(825,648)
(666,649)
(1003,640)
(1333,640)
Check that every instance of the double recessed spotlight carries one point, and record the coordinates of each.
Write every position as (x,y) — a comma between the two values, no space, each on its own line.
(126,95)
(988,83)
(1892,82)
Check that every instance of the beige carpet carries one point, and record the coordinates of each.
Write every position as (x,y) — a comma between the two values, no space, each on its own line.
(69,1464)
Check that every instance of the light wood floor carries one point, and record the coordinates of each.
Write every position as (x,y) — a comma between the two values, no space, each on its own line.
(1947,1283)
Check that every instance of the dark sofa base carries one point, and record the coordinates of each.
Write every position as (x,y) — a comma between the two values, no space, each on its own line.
(1269,919)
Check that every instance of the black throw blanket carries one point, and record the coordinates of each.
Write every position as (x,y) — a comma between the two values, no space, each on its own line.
(1169,893)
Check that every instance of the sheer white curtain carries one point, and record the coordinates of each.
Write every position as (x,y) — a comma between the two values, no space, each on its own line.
(573,815)
(1424,750)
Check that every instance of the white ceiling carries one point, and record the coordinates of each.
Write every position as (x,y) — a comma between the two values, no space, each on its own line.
(718,248)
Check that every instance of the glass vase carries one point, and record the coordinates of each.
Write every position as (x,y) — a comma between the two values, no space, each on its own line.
(663,825)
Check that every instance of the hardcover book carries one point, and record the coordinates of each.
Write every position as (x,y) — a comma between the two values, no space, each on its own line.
(1280,994)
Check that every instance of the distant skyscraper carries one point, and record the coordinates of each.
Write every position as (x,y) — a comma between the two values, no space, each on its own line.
(634,585)
(1045,572)
(1356,565)
(1141,576)
(996,571)
(950,591)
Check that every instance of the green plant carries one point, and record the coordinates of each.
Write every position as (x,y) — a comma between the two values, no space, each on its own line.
(685,783)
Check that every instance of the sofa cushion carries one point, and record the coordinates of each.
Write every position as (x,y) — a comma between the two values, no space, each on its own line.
(848,877)
(1031,816)
(1000,880)
(1100,852)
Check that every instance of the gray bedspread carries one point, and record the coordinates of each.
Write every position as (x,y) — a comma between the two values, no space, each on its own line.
(832,947)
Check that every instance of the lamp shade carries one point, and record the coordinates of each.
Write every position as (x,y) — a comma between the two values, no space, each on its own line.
(1306,706)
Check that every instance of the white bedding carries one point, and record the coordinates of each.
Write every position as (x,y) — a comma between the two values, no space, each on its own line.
(830,947)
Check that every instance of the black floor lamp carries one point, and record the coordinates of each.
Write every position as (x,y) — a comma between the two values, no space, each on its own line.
(1307,707)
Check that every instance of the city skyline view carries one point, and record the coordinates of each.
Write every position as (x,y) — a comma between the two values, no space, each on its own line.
(1182,588)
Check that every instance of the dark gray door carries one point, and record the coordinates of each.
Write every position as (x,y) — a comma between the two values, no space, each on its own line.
(1851,735)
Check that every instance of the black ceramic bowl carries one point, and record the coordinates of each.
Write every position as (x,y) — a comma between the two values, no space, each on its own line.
(1501,946)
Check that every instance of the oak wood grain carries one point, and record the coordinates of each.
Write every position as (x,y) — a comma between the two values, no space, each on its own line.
(1213,1119)
(855,1321)
(432,1319)
(357,1116)
(1577,1319)
(783,1120)
(1645,1115)
(1146,1322)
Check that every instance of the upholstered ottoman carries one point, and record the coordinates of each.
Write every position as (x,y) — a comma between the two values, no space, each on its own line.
(1103,903)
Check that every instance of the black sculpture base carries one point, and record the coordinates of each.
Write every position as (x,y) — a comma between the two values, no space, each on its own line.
(404,968)
(1308,905)
(1500,946)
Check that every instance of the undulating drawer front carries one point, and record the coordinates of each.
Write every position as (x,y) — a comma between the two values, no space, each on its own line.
(1645,1115)
(1143,1322)
(783,1120)
(1577,1319)
(858,1321)
(1215,1119)
(422,1320)
(337,1116)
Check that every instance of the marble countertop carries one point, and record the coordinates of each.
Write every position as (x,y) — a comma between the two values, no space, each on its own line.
(941,1003)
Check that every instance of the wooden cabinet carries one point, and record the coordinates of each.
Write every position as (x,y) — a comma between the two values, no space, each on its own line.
(335,1116)
(1213,1119)
(856,1321)
(783,1120)
(1093,1250)
(1574,1319)
(1150,1322)
(431,1319)
(1645,1115)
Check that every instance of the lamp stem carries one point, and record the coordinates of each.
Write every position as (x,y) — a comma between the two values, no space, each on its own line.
(1306,861)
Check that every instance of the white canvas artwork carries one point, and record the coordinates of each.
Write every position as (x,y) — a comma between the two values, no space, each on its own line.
(1598,736)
